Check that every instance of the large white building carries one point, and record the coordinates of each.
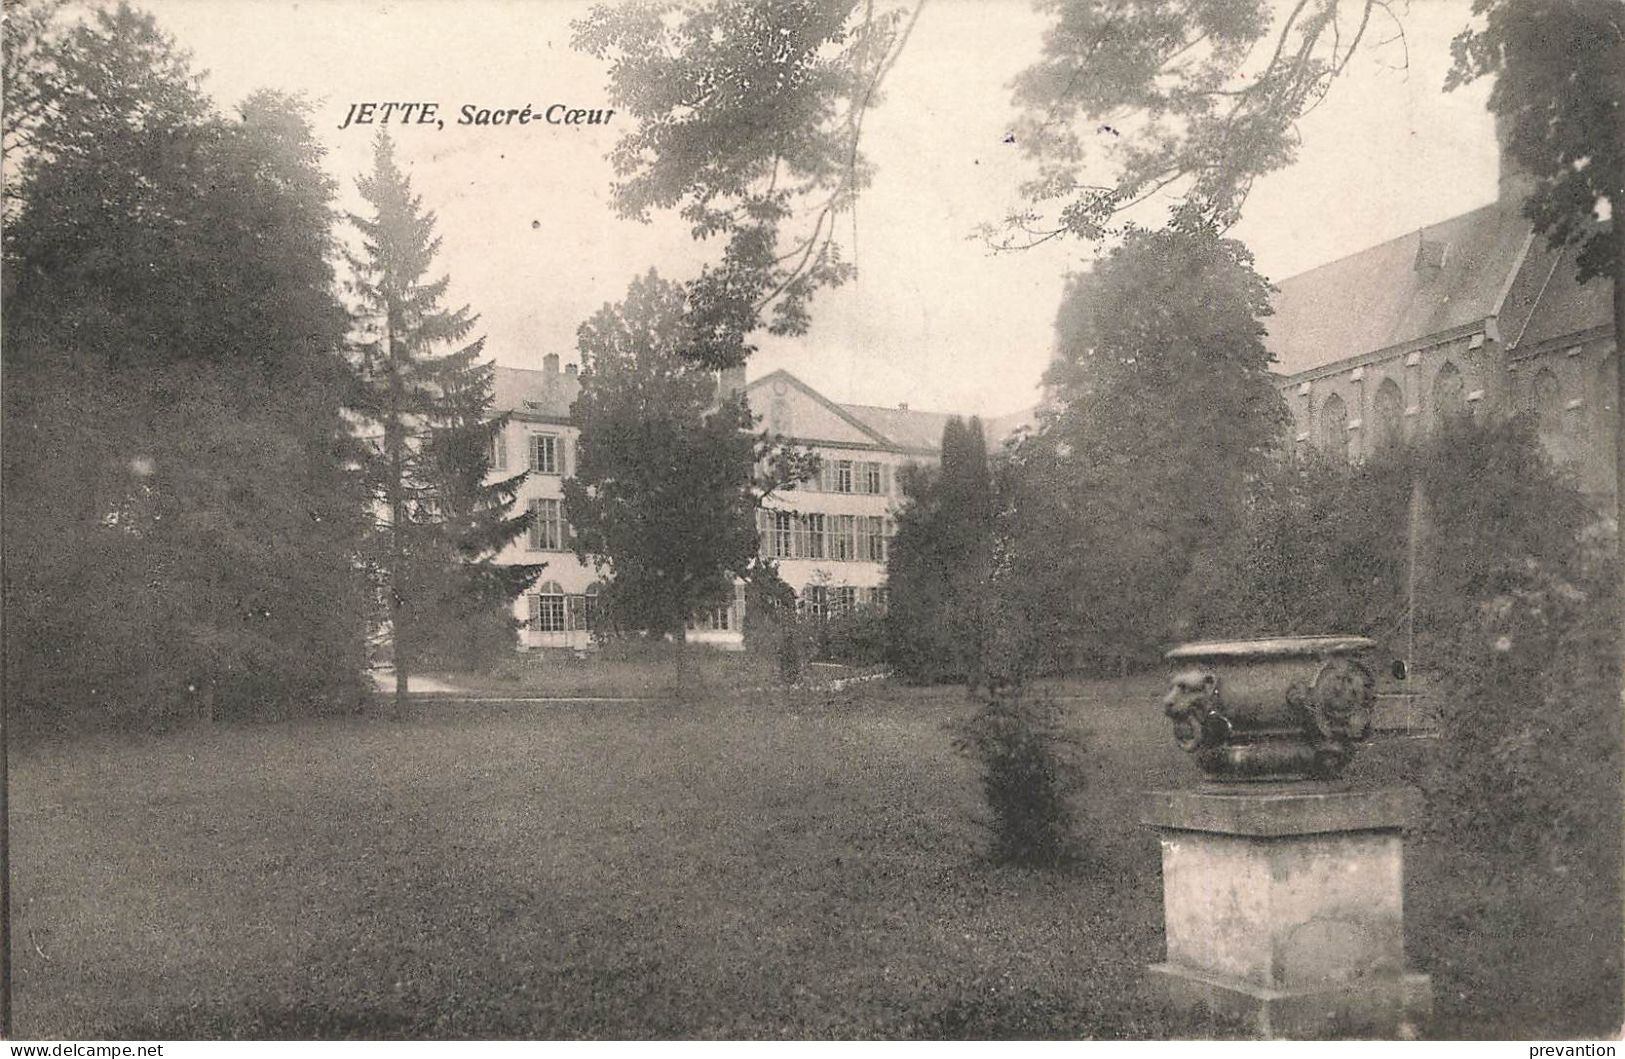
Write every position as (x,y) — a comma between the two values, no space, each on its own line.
(831,537)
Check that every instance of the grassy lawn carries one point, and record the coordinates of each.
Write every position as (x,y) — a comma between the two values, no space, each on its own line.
(651,672)
(741,865)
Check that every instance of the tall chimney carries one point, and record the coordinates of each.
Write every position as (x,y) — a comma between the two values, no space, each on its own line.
(550,363)
(731,381)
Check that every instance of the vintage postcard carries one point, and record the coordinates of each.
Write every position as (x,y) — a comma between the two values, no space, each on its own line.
(554,519)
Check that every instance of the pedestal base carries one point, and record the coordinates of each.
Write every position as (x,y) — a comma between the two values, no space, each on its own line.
(1283,907)
(1372,1008)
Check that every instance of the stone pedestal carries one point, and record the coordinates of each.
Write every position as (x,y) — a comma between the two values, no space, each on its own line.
(1284,908)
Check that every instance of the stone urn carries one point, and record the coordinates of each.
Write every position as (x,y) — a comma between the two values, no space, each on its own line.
(1284,708)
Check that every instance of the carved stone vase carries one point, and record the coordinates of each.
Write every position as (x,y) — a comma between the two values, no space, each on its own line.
(1283,894)
(1284,708)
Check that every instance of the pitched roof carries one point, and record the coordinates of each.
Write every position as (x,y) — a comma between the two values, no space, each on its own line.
(549,393)
(903,427)
(999,428)
(552,393)
(1385,296)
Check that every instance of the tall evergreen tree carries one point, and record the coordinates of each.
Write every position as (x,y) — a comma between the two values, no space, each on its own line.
(938,580)
(440,522)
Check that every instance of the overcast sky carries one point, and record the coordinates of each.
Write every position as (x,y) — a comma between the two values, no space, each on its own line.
(932,319)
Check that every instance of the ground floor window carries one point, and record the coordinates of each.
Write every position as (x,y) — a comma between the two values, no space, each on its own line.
(547,608)
(814,601)
(723,619)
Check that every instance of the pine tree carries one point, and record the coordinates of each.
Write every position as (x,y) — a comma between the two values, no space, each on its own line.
(938,578)
(441,522)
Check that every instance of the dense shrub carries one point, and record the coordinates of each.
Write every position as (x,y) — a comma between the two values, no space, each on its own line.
(857,638)
(1030,773)
(772,628)
(1517,646)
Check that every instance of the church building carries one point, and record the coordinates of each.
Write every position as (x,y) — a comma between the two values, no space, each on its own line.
(1475,313)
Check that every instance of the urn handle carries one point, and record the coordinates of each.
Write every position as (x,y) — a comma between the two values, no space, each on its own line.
(1195,707)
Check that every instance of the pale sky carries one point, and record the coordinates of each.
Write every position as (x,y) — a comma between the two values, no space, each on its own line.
(932,318)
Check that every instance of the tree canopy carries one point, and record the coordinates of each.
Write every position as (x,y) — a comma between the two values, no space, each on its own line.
(1164,414)
(749,121)
(1190,99)
(664,493)
(175,454)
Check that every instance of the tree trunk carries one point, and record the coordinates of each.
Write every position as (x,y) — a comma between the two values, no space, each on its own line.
(1619,413)
(395,444)
(682,658)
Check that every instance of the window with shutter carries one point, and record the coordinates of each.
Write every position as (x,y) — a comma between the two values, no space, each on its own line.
(875,551)
(843,545)
(785,525)
(544,453)
(546,527)
(547,608)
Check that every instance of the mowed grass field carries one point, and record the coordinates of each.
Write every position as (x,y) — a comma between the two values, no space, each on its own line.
(754,865)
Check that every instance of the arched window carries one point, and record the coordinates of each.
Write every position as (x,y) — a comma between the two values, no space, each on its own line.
(1334,429)
(1546,404)
(547,608)
(1449,393)
(1388,410)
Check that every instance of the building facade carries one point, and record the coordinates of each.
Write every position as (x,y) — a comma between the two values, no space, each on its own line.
(831,537)
(1474,314)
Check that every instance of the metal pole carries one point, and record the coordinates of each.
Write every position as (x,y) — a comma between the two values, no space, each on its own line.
(1414,535)
(5,830)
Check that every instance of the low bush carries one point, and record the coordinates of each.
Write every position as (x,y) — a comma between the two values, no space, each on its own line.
(1030,772)
(857,638)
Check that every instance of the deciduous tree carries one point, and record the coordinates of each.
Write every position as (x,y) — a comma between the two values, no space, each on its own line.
(181,524)
(749,116)
(666,487)
(1189,99)
(1559,69)
(1165,414)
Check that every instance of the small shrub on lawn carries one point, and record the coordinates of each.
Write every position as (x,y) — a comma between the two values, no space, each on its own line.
(1031,770)
(855,638)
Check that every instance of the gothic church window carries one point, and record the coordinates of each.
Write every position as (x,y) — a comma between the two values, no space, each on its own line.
(1334,427)
(1389,413)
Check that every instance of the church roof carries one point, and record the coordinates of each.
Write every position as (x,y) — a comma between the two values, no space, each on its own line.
(1559,306)
(1434,281)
